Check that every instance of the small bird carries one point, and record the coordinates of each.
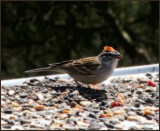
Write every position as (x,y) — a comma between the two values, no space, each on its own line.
(89,70)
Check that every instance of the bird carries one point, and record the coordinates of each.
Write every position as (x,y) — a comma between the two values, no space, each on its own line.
(88,70)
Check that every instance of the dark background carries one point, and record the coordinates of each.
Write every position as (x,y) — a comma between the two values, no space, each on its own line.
(35,34)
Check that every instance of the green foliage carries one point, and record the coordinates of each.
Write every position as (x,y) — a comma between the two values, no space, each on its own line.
(35,34)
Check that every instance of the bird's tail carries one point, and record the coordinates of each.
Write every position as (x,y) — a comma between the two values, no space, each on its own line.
(39,70)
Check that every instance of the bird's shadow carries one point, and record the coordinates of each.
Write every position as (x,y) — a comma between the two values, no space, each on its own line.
(86,92)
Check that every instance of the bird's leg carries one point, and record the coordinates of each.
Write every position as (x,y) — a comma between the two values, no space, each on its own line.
(94,86)
(77,82)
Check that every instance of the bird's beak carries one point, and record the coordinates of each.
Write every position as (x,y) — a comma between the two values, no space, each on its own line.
(118,55)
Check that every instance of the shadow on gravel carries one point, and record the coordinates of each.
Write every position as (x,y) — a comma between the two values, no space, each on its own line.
(86,92)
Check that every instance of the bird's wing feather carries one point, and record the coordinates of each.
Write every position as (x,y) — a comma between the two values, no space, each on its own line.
(60,63)
(86,65)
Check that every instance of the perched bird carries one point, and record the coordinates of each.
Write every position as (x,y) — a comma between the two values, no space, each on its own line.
(89,70)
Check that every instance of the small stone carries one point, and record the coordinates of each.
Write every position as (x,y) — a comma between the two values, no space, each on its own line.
(137,104)
(117,112)
(93,115)
(94,126)
(149,117)
(40,96)
(149,74)
(70,115)
(73,104)
(55,93)
(126,80)
(121,96)
(45,91)
(63,116)
(141,101)
(79,107)
(152,108)
(55,126)
(156,80)
(70,121)
(39,107)
(141,86)
(132,118)
(64,93)
(83,124)
(60,106)
(19,108)
(139,91)
(131,76)
(23,121)
(119,126)
(3,123)
(74,93)
(107,115)
(102,119)
(8,111)
(147,112)
(102,107)
(142,80)
(7,126)
(149,100)
(14,104)
(104,103)
(23,95)
(62,80)
(109,125)
(140,113)
(149,90)
(85,103)
(11,92)
(65,111)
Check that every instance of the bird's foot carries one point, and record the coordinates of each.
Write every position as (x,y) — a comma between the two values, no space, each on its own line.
(94,86)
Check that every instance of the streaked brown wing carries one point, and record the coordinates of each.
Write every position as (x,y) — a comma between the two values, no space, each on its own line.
(86,65)
(61,63)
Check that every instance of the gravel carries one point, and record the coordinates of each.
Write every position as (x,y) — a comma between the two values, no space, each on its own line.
(126,103)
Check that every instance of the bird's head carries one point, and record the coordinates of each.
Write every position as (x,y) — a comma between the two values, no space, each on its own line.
(109,53)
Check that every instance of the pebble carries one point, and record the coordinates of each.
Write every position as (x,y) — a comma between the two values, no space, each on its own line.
(126,79)
(14,104)
(109,125)
(59,105)
(74,93)
(141,86)
(117,112)
(141,101)
(94,127)
(40,96)
(8,111)
(119,126)
(132,118)
(143,80)
(121,96)
(3,123)
(137,104)
(102,107)
(11,92)
(147,112)
(23,95)
(93,115)
(39,107)
(85,103)
(149,100)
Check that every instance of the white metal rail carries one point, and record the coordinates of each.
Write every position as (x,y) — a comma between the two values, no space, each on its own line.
(117,72)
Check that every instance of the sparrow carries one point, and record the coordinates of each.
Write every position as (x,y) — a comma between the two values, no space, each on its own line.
(89,70)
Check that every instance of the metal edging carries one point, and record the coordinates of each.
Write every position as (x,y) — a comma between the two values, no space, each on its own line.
(117,72)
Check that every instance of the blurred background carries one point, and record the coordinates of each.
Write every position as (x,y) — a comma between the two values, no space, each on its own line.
(35,34)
